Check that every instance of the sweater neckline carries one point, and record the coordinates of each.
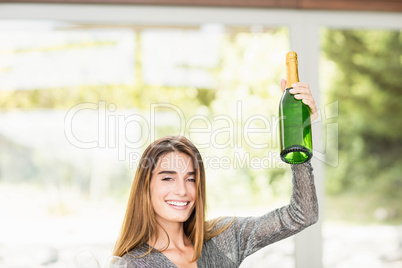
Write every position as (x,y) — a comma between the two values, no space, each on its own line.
(166,259)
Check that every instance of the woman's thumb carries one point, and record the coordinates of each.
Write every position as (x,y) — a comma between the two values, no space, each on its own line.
(283,84)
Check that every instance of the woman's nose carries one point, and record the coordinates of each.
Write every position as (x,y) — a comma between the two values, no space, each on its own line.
(180,188)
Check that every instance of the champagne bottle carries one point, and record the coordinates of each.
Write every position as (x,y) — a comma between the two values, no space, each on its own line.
(294,120)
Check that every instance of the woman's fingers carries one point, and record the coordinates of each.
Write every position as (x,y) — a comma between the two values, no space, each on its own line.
(300,84)
(302,92)
(300,88)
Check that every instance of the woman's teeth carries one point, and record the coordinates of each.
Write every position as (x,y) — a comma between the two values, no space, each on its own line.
(179,204)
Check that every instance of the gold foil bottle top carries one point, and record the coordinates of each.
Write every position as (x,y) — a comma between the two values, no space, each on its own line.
(292,74)
(291,55)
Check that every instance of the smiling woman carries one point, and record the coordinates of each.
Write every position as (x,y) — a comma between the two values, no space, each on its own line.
(170,174)
(165,224)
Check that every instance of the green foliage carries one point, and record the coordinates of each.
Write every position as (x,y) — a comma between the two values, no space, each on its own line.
(368,85)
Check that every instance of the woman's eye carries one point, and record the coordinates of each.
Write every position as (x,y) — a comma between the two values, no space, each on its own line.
(191,179)
(167,179)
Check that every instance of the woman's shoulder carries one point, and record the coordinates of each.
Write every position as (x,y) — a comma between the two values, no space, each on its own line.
(223,226)
(226,222)
(135,253)
(219,223)
(141,257)
(233,226)
(133,257)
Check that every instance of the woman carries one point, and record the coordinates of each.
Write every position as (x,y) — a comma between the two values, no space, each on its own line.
(165,224)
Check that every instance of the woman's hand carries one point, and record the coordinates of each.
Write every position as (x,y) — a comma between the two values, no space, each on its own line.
(302,92)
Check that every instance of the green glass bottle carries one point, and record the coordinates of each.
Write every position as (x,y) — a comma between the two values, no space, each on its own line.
(294,120)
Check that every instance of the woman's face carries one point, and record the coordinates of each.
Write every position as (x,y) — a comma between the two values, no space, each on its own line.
(173,188)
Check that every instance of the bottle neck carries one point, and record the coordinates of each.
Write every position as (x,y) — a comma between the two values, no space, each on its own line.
(292,74)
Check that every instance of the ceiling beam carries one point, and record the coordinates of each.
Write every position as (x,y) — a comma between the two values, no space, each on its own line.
(352,5)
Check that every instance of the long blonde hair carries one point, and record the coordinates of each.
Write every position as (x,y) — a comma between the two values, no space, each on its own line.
(139,223)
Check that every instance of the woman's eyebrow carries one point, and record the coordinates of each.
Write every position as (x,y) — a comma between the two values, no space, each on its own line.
(174,172)
(167,172)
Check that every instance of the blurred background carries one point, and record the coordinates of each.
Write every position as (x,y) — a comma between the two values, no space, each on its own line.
(80,98)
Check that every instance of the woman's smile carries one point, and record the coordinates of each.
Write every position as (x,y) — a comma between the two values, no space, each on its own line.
(178,204)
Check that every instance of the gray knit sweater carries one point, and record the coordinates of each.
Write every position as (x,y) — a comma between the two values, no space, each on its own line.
(247,235)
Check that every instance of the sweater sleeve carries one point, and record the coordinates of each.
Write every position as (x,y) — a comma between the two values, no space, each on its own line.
(247,235)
